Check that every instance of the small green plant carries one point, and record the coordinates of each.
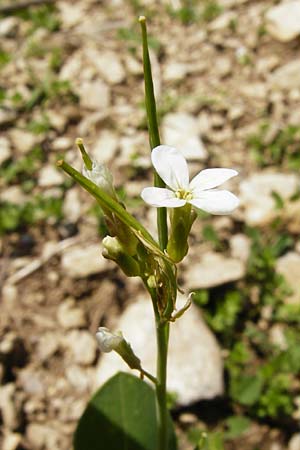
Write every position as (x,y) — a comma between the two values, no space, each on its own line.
(44,16)
(281,147)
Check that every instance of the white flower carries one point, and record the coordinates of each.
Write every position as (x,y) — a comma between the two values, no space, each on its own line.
(101,176)
(172,167)
(108,341)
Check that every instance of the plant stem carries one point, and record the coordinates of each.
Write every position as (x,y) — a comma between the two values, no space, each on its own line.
(153,131)
(162,328)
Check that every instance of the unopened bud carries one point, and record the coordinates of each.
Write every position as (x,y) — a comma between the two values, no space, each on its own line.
(113,249)
(101,176)
(109,341)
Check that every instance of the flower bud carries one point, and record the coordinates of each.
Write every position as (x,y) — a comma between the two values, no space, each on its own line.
(108,341)
(115,341)
(181,222)
(113,249)
(101,176)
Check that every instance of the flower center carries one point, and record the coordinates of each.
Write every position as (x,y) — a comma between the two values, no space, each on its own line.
(183,194)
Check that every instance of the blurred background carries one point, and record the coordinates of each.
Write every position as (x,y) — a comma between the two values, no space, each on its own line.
(227,82)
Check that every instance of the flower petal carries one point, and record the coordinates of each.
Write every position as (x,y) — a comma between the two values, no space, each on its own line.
(215,201)
(171,166)
(161,197)
(211,178)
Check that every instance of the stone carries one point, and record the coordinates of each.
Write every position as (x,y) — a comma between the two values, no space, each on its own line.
(70,316)
(283,20)
(175,71)
(277,336)
(31,381)
(23,141)
(213,269)
(42,436)
(256,194)
(240,246)
(81,262)
(13,194)
(7,116)
(294,443)
(181,130)
(195,364)
(10,406)
(108,64)
(289,266)
(94,95)
(82,345)
(105,146)
(9,27)
(5,149)
(287,76)
(62,143)
(80,378)
(11,441)
(72,205)
(50,176)
(48,345)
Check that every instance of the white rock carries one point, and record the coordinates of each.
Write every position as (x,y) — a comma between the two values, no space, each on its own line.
(240,246)
(71,14)
(294,443)
(80,262)
(175,71)
(256,194)
(213,269)
(223,21)
(82,345)
(109,65)
(70,316)
(13,194)
(72,205)
(11,441)
(283,20)
(9,26)
(48,345)
(94,95)
(50,176)
(5,149)
(289,266)
(105,147)
(23,141)
(43,436)
(62,143)
(181,130)
(9,406)
(287,76)
(195,365)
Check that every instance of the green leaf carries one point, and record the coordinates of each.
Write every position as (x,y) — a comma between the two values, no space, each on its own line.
(121,416)
(246,389)
(237,425)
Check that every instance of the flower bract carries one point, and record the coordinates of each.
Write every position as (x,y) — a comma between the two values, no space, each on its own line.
(172,168)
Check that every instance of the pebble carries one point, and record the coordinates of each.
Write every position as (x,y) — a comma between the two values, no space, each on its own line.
(72,205)
(48,345)
(94,95)
(289,266)
(195,365)
(50,176)
(82,345)
(240,246)
(9,27)
(181,130)
(287,76)
(5,149)
(108,64)
(42,436)
(212,269)
(256,194)
(283,20)
(10,407)
(11,441)
(81,262)
(22,140)
(70,316)
(105,147)
(294,443)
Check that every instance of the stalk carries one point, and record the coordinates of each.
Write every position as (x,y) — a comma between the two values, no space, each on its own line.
(162,328)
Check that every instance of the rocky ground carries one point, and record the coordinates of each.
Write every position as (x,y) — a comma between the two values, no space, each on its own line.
(227,81)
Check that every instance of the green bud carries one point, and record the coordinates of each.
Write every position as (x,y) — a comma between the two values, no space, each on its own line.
(115,341)
(113,249)
(181,222)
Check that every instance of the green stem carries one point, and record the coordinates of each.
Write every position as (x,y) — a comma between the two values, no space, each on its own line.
(162,328)
(153,131)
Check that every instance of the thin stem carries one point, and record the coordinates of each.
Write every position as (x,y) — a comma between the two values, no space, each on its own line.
(153,131)
(162,336)
(149,376)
